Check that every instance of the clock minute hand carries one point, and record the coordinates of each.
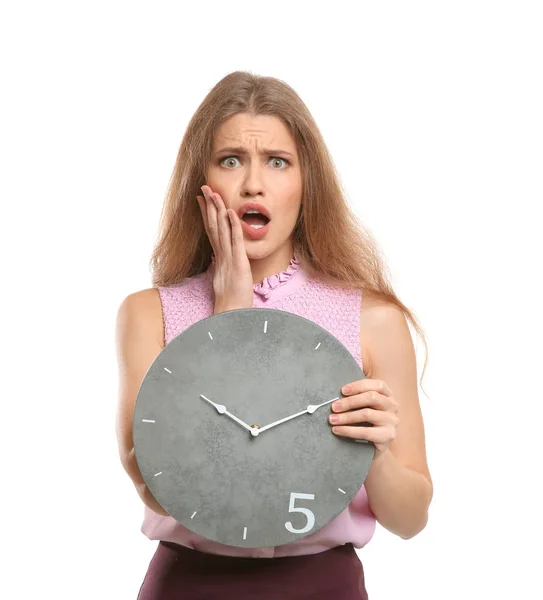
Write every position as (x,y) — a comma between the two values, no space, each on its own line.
(310,409)
(303,412)
(221,409)
(313,407)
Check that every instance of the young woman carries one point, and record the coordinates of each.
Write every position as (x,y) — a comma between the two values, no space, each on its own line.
(253,145)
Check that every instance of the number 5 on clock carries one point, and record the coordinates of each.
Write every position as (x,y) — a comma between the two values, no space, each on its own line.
(310,516)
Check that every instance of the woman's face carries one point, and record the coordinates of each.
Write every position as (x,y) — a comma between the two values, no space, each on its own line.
(254,159)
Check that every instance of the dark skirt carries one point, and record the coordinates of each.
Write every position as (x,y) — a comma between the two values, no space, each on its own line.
(179,573)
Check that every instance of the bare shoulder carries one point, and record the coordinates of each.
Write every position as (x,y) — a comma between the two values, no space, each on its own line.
(144,310)
(375,309)
(376,316)
(147,299)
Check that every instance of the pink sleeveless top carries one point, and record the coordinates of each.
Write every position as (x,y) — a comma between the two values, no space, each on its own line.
(294,290)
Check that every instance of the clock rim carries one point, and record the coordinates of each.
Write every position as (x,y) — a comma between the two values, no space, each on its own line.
(201,323)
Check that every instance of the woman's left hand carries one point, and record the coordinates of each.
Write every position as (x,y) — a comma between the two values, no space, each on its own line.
(368,401)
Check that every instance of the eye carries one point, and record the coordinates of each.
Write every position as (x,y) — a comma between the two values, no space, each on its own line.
(221,160)
(228,158)
(279,158)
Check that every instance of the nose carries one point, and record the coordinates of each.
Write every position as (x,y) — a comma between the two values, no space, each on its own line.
(252,184)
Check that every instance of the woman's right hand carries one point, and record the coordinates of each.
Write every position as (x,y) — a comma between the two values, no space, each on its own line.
(233,278)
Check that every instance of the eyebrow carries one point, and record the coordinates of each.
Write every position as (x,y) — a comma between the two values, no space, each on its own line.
(244,151)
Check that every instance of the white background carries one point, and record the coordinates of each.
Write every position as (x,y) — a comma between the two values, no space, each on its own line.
(433,114)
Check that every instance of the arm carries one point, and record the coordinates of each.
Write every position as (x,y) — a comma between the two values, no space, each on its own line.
(398,485)
(139,340)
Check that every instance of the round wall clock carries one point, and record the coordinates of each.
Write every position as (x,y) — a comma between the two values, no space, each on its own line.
(231,429)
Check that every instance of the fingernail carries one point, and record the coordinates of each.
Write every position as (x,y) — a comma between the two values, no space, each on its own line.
(346,389)
(334,418)
(336,405)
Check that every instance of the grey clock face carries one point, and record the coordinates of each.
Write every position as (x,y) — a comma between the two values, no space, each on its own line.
(215,435)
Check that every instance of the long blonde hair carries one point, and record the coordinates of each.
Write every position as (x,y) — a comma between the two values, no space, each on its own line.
(327,237)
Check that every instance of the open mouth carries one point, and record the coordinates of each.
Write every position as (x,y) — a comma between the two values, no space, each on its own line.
(255,220)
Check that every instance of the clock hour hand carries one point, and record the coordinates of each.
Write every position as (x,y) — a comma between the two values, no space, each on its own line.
(310,409)
(221,409)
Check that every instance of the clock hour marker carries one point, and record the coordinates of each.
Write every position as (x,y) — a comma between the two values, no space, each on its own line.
(265,326)
(166,369)
(209,333)
(342,491)
(158,473)
(192,517)
(317,346)
(148,420)
(245,533)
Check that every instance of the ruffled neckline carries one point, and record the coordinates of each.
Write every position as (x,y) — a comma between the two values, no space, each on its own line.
(270,285)
(272,282)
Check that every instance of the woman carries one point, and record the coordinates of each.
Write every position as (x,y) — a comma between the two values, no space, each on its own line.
(253,146)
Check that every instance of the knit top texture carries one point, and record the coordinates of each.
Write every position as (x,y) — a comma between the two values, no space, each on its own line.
(293,290)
